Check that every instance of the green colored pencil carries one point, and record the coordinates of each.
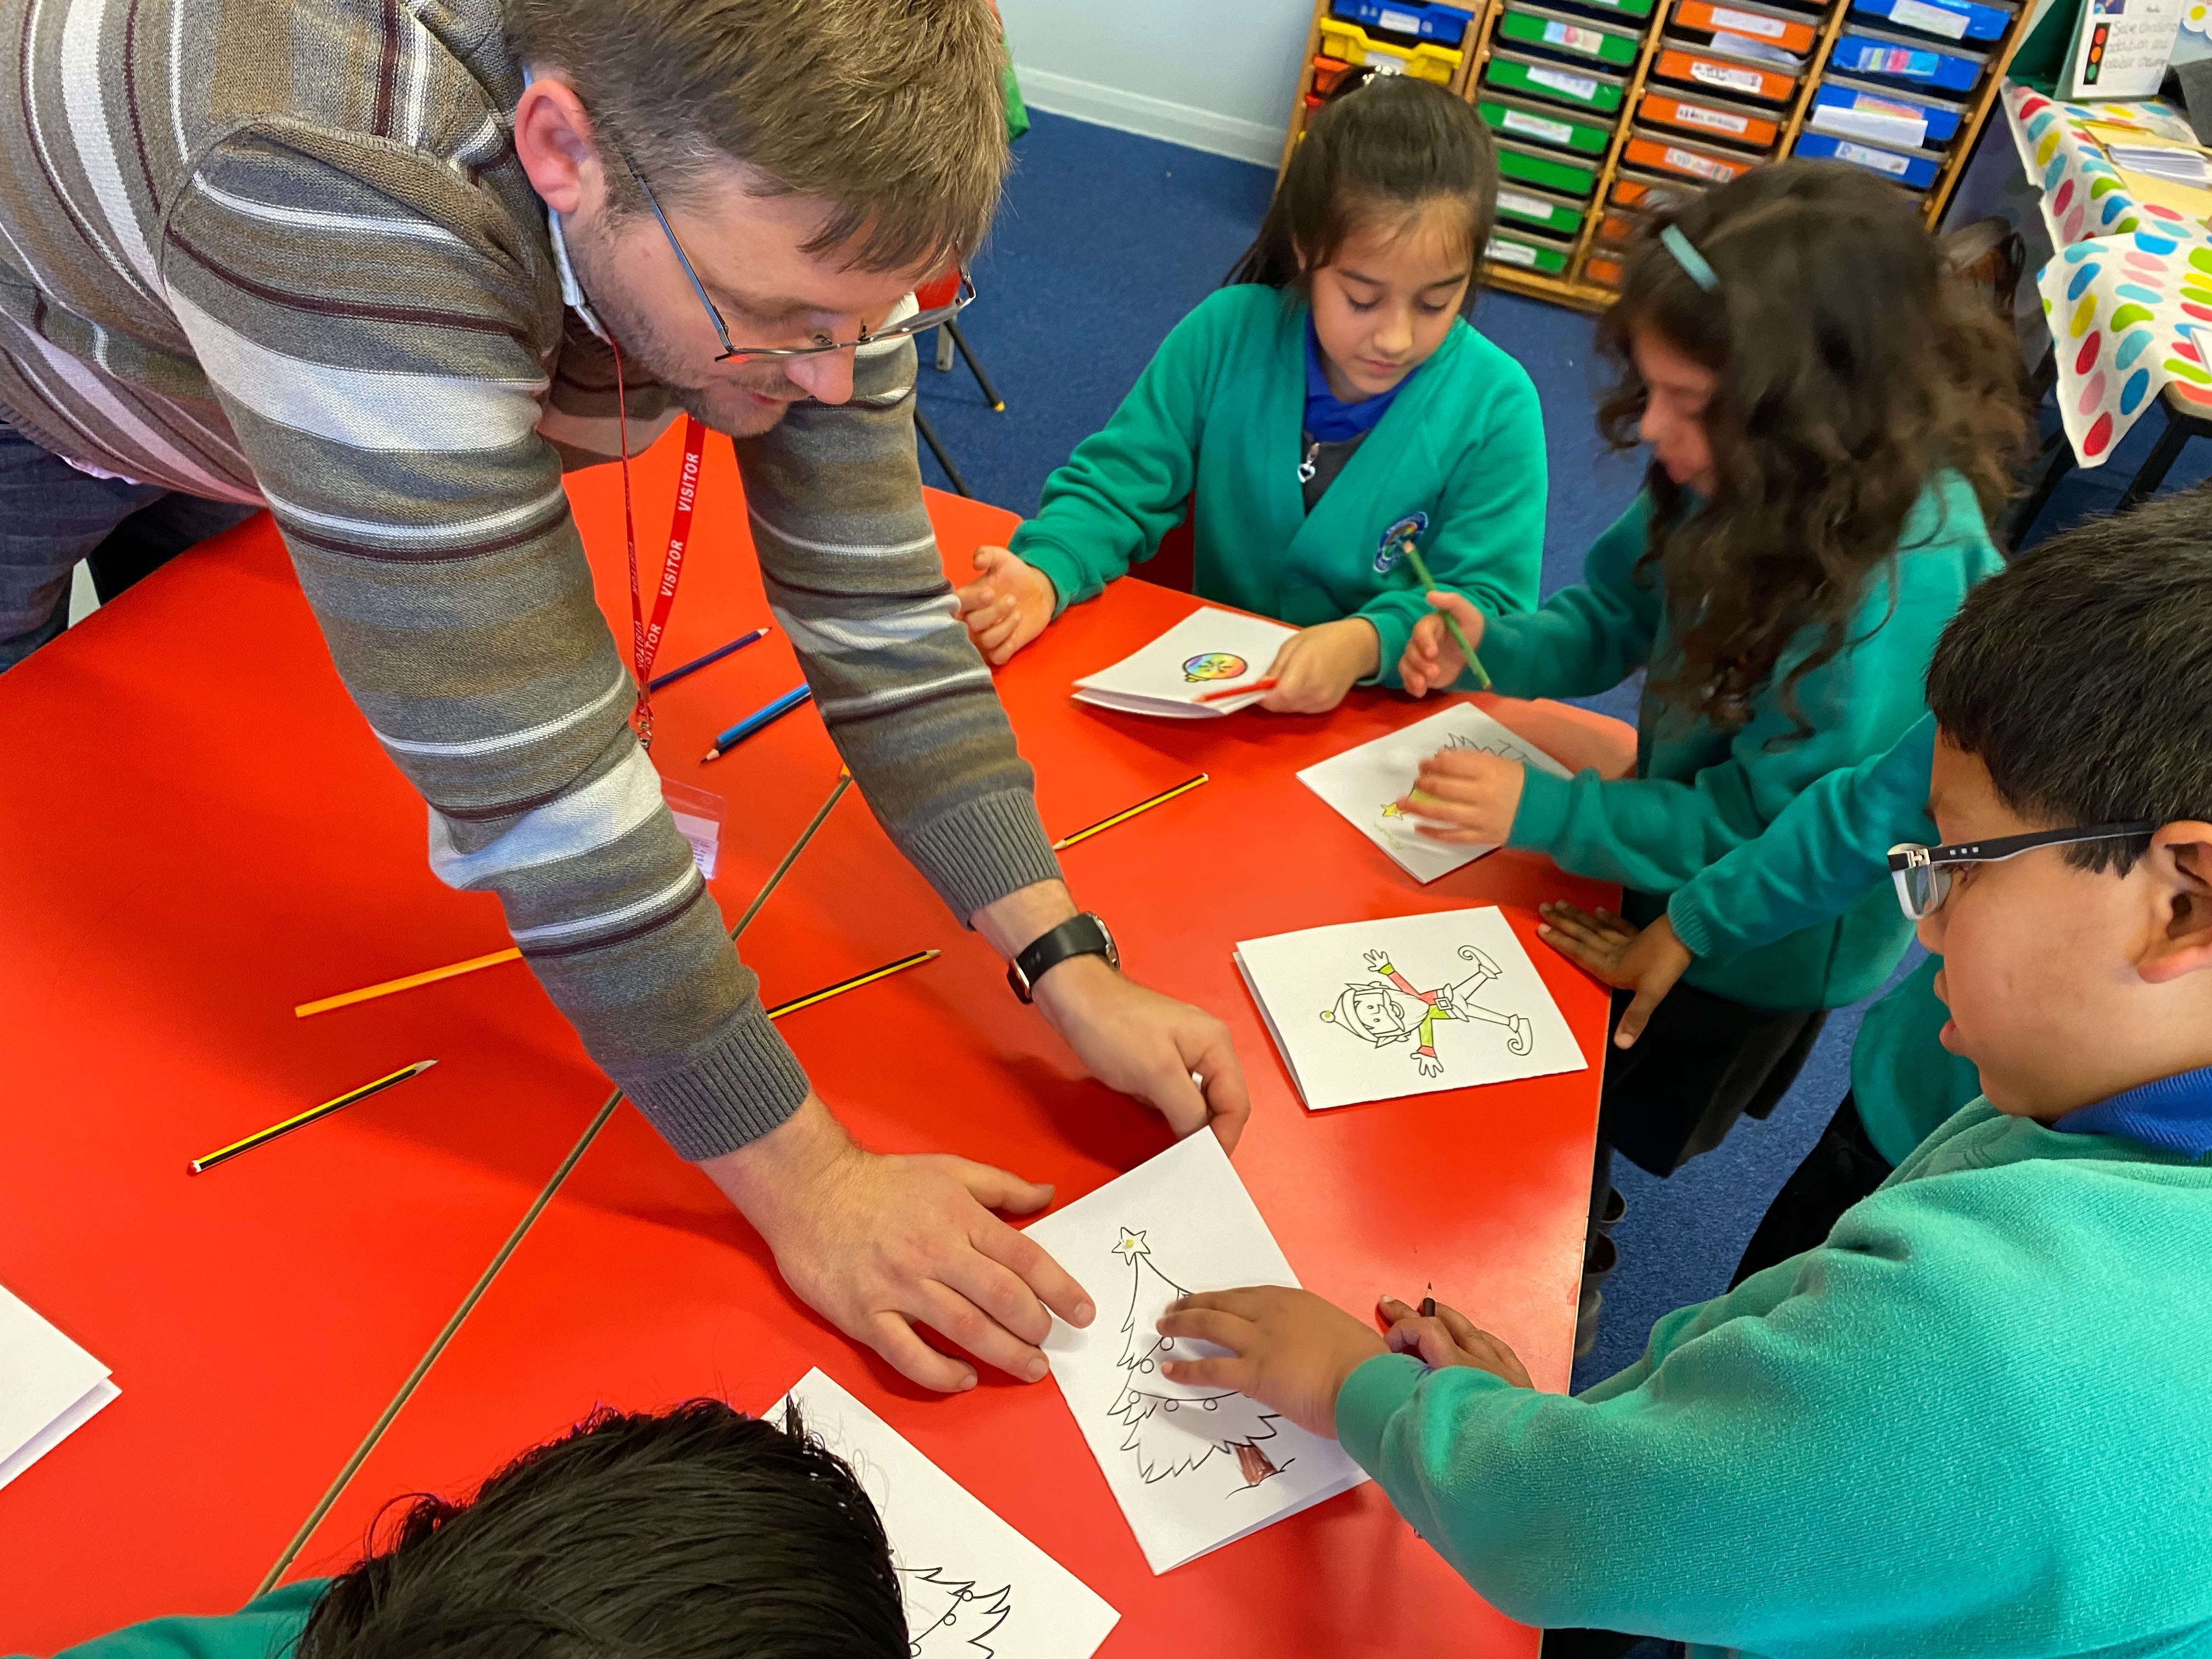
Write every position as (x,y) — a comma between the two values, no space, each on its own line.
(1458,635)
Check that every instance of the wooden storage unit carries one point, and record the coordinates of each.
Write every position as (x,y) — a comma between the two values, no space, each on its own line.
(1595,103)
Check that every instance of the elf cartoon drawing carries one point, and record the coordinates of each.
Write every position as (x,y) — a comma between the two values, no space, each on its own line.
(1392,1009)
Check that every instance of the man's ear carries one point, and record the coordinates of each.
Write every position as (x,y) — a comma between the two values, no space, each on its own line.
(2180,858)
(553,141)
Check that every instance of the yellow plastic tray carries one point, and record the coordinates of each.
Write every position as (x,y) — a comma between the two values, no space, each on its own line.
(1424,62)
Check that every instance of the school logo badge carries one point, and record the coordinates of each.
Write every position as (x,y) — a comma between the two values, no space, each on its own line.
(1392,547)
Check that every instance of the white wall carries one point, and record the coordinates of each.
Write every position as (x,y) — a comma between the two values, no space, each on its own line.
(1217,75)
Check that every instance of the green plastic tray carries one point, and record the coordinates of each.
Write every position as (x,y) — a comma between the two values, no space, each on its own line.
(1554,83)
(1554,128)
(1553,31)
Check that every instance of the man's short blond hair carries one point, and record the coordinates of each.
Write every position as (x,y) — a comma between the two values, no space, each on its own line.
(890,112)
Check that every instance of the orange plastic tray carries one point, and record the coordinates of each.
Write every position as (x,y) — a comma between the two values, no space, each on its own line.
(1664,155)
(1725,126)
(1723,75)
(1787,32)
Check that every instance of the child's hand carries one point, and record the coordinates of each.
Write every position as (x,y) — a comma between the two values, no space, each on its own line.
(1318,665)
(1450,1338)
(1007,605)
(1432,658)
(1288,1349)
(1649,960)
(1465,798)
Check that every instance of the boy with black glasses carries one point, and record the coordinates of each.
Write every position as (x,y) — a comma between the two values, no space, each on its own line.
(1971,1422)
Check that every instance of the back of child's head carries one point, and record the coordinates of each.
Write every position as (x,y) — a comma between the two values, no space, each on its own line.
(2082,677)
(698,1533)
(1851,367)
(1378,155)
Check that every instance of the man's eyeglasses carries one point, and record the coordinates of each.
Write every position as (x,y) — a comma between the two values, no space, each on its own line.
(963,296)
(1924,875)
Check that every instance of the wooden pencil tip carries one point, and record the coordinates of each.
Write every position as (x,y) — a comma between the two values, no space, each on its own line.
(711,754)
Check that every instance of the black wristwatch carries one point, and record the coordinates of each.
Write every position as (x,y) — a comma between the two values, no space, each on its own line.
(1079,936)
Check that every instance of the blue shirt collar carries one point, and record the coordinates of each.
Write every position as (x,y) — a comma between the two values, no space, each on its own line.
(2173,1114)
(1331,420)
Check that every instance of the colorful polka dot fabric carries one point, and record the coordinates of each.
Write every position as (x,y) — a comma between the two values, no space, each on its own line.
(2131,283)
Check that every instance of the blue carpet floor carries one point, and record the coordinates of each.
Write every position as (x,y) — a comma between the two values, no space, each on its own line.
(1105,241)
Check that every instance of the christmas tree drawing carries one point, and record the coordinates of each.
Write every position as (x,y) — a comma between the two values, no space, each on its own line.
(1171,1433)
(949,1618)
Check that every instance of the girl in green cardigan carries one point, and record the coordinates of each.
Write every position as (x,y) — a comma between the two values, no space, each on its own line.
(1830,415)
(1329,406)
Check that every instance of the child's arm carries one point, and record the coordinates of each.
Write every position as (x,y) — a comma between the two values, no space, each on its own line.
(1125,484)
(1583,639)
(1825,1460)
(1827,847)
(1487,539)
(264,1628)
(1655,835)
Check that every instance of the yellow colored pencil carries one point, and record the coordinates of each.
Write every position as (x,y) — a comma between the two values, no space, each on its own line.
(407,982)
(262,1136)
(1126,813)
(853,984)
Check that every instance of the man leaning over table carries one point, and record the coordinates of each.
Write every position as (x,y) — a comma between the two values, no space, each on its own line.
(362,260)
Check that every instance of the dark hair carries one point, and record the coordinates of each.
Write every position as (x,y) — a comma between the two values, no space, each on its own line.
(1852,367)
(2083,675)
(891,112)
(1381,150)
(696,1534)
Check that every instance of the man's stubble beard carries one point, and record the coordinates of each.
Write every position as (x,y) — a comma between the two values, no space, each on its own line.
(721,404)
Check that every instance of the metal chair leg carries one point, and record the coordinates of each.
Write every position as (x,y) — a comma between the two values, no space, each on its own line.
(929,436)
(2058,460)
(990,392)
(944,351)
(2180,430)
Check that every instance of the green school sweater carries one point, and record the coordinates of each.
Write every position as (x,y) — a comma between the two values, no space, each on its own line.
(264,1628)
(1827,851)
(1971,1425)
(1700,792)
(1456,461)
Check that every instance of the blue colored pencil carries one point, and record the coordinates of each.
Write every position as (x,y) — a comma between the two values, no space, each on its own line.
(698,663)
(759,717)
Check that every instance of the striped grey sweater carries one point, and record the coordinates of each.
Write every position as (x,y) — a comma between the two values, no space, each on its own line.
(281,250)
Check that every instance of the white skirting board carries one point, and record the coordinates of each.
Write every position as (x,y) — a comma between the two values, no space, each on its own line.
(1152,117)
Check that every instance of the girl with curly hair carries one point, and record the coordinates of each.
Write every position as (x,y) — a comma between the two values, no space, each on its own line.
(1831,416)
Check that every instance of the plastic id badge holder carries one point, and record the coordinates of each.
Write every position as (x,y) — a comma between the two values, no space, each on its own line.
(700,815)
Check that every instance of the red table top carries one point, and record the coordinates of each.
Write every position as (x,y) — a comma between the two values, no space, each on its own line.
(216,837)
(639,1286)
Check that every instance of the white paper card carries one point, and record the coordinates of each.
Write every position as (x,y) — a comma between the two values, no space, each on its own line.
(1934,20)
(49,1387)
(974,1587)
(1192,1468)
(1364,784)
(1412,1005)
(1860,122)
(1204,651)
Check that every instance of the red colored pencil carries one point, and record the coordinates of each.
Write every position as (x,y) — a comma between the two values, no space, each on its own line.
(1221,692)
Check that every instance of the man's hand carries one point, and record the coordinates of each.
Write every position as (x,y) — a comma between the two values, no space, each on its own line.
(1007,605)
(1289,1350)
(1465,798)
(877,1245)
(1450,1338)
(1432,659)
(1126,1037)
(1134,1039)
(1649,960)
(1318,665)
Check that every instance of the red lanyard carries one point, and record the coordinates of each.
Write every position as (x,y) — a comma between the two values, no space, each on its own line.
(645,634)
